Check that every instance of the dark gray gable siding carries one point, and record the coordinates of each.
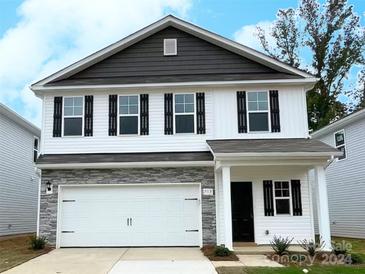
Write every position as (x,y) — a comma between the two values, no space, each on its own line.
(197,60)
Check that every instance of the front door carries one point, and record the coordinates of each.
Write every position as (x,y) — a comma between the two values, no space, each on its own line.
(242,212)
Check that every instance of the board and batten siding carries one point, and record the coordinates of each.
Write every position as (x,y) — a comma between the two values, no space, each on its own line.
(18,179)
(220,115)
(346,184)
(299,227)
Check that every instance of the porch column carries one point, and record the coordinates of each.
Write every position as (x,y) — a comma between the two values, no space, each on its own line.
(226,189)
(322,207)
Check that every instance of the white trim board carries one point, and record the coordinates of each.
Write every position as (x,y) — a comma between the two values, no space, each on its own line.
(179,24)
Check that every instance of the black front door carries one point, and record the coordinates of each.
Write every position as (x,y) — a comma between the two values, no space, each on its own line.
(242,212)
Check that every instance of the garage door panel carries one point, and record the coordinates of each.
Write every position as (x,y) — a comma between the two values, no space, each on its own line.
(159,215)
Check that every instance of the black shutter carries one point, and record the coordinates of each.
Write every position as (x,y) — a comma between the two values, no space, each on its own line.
(200,113)
(241,112)
(57,117)
(89,109)
(169,114)
(296,198)
(274,111)
(144,114)
(268,198)
(113,113)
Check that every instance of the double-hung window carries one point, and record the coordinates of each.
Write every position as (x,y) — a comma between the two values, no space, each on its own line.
(340,143)
(73,113)
(282,197)
(128,114)
(184,113)
(258,111)
(35,149)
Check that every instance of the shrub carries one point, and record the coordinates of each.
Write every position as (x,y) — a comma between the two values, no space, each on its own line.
(37,243)
(310,246)
(280,245)
(341,248)
(222,251)
(357,258)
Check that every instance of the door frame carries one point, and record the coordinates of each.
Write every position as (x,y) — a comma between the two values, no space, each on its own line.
(60,194)
(253,208)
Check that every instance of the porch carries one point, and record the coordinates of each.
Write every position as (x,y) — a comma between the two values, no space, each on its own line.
(267,193)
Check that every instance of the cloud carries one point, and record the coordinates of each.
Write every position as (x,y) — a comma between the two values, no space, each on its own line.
(53,34)
(247,35)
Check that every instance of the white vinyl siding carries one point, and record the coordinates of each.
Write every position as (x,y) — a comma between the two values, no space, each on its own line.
(220,115)
(18,179)
(346,183)
(299,227)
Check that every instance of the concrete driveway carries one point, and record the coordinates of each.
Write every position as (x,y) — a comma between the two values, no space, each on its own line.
(118,261)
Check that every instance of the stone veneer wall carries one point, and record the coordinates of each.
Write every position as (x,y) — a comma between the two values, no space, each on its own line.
(48,203)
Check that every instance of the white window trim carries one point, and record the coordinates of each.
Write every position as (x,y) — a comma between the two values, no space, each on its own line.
(73,116)
(344,143)
(283,198)
(258,111)
(164,47)
(185,113)
(38,149)
(129,115)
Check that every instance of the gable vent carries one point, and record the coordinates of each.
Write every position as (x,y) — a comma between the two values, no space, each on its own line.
(170,46)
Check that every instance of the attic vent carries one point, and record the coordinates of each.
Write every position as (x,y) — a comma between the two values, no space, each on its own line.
(170,46)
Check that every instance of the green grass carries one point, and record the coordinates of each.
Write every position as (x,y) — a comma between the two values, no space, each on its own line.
(292,270)
(358,245)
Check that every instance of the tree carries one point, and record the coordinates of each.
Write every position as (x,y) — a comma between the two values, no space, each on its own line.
(334,40)
(359,95)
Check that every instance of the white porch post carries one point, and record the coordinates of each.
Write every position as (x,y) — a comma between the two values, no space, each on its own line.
(322,207)
(226,188)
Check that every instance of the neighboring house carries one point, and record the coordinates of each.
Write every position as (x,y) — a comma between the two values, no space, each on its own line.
(19,179)
(346,175)
(176,136)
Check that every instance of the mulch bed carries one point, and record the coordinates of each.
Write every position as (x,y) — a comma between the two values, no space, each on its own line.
(208,251)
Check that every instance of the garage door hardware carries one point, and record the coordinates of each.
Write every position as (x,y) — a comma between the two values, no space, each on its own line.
(191,199)
(68,231)
(192,230)
(68,201)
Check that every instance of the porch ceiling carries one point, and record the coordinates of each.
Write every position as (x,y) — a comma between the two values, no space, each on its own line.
(293,147)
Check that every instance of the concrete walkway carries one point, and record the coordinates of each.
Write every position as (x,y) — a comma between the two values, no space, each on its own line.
(248,261)
(118,261)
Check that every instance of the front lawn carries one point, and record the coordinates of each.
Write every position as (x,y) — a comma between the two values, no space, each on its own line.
(292,270)
(358,245)
(15,251)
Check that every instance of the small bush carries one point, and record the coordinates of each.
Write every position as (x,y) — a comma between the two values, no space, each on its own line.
(341,248)
(222,251)
(357,258)
(280,245)
(310,246)
(37,243)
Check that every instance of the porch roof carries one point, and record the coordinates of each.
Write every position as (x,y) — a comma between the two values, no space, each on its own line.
(271,147)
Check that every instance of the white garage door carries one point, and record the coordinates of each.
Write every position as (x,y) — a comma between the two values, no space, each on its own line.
(132,215)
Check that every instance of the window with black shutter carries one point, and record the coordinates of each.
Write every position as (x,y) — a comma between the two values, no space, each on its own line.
(57,117)
(282,197)
(241,112)
(184,113)
(200,113)
(89,109)
(128,114)
(113,113)
(274,111)
(268,198)
(73,116)
(296,198)
(169,114)
(258,111)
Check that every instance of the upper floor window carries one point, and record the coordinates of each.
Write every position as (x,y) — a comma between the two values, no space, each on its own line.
(282,197)
(73,113)
(35,149)
(128,114)
(340,143)
(184,113)
(258,111)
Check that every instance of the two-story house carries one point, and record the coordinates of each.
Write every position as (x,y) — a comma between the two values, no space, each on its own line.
(346,175)
(19,177)
(176,136)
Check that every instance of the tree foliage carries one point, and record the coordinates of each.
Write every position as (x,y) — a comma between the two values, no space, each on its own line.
(333,38)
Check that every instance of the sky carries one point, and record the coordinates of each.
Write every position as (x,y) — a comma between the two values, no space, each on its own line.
(39,37)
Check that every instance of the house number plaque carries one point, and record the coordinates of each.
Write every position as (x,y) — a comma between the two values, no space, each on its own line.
(208,191)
